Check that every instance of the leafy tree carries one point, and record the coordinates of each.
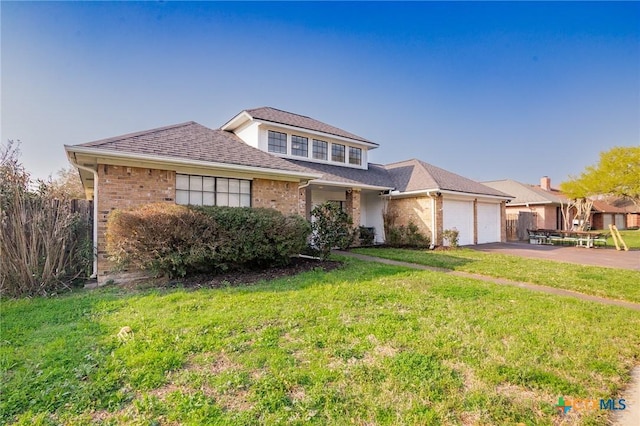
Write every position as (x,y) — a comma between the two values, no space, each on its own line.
(616,174)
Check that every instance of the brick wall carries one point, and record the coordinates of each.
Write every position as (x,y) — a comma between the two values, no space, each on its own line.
(280,195)
(125,187)
(416,210)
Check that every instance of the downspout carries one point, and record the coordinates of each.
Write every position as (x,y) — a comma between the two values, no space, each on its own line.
(433,220)
(307,207)
(304,185)
(95,214)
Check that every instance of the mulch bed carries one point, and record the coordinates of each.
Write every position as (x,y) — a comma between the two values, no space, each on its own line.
(248,277)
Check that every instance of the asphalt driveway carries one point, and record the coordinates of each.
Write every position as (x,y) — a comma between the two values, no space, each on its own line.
(608,257)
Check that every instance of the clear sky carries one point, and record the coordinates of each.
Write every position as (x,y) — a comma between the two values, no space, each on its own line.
(486,90)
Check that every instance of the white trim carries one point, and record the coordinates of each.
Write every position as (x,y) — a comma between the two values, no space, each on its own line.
(370,145)
(188,162)
(428,192)
(229,123)
(349,185)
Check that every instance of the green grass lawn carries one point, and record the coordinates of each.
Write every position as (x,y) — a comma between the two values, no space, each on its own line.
(366,344)
(630,237)
(618,284)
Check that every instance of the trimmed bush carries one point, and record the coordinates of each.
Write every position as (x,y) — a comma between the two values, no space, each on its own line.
(407,236)
(174,240)
(331,227)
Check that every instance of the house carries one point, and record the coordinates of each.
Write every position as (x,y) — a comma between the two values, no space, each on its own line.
(543,202)
(604,214)
(631,209)
(266,157)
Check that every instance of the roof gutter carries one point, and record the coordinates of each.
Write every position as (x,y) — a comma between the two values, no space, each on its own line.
(427,192)
(350,185)
(74,162)
(187,162)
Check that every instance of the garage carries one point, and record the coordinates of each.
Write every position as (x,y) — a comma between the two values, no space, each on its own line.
(458,214)
(488,223)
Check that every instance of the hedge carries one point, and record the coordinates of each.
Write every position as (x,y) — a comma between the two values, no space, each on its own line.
(175,240)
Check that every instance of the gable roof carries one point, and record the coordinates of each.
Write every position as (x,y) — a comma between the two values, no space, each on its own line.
(278,116)
(526,194)
(624,203)
(600,206)
(375,176)
(416,175)
(192,141)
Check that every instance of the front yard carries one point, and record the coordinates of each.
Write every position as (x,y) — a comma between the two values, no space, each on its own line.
(618,284)
(365,344)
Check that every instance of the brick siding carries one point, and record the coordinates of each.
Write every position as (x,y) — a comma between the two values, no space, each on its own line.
(122,187)
(416,210)
(280,195)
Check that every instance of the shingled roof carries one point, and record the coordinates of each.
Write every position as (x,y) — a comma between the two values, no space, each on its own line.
(193,141)
(416,175)
(375,175)
(524,193)
(283,117)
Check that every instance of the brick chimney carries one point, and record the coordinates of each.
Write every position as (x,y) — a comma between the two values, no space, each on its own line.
(545,183)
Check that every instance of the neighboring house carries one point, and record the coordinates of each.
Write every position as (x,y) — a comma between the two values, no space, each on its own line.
(604,214)
(632,211)
(266,157)
(543,201)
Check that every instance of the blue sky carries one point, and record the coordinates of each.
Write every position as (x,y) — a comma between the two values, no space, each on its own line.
(485,90)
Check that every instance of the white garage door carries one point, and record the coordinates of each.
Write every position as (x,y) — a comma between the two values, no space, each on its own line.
(607,220)
(620,221)
(488,223)
(459,215)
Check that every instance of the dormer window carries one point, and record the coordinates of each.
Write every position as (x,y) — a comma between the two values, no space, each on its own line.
(355,155)
(320,150)
(337,153)
(277,142)
(299,146)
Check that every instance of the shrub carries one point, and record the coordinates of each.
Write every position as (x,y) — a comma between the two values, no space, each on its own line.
(177,240)
(331,227)
(44,243)
(367,235)
(451,236)
(407,236)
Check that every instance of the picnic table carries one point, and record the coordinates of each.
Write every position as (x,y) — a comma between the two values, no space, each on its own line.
(586,239)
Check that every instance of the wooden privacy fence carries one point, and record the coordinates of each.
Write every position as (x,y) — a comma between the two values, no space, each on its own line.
(518,223)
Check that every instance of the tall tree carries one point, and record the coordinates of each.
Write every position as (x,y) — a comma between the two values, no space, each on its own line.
(616,174)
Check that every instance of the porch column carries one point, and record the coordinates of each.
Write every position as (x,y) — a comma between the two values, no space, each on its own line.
(352,205)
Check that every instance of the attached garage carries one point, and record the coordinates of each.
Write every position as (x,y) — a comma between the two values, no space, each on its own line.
(488,223)
(458,214)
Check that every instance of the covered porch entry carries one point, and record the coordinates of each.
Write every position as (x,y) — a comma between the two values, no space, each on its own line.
(363,205)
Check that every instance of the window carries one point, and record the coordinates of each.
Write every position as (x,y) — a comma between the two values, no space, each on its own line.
(299,146)
(355,156)
(337,153)
(320,150)
(212,191)
(340,204)
(277,142)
